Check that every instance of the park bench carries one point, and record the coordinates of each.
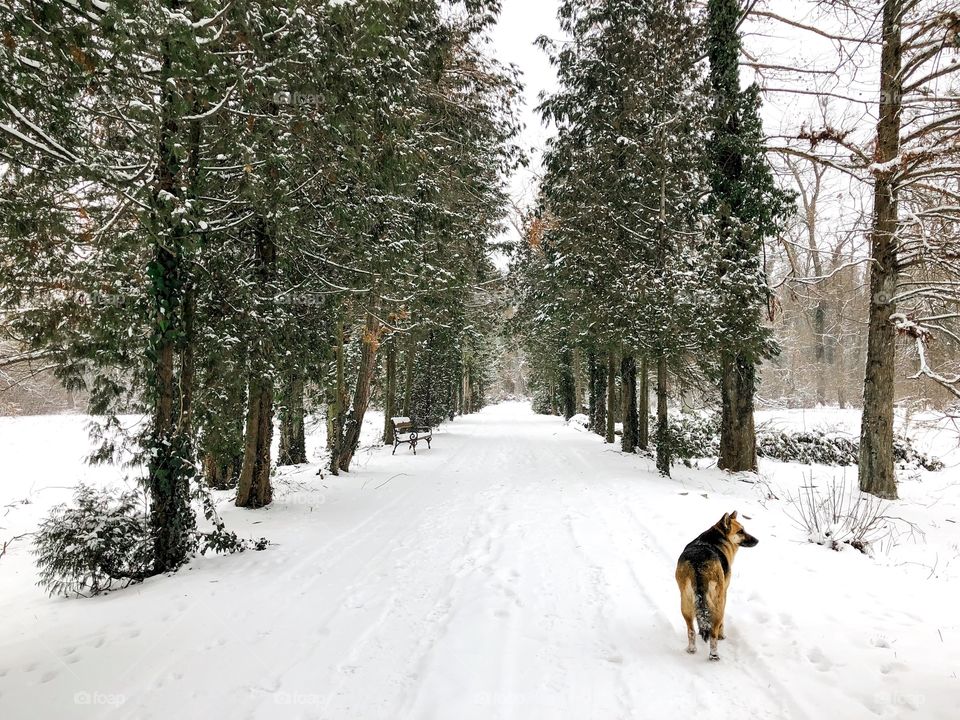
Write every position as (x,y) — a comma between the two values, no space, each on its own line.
(406,431)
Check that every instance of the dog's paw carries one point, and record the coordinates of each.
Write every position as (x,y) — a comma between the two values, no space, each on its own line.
(714,657)
(691,649)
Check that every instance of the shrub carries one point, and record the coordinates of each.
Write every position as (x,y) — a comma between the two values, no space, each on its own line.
(816,446)
(692,436)
(695,436)
(103,542)
(100,542)
(840,515)
(807,447)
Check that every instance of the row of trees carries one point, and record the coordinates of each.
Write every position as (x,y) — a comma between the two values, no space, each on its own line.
(222,214)
(644,254)
(670,258)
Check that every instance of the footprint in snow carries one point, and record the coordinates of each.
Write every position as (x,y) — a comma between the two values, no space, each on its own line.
(816,656)
(787,621)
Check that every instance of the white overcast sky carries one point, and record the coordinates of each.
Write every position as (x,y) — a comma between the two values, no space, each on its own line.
(521,23)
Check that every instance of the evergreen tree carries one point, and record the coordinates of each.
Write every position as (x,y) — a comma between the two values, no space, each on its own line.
(744,208)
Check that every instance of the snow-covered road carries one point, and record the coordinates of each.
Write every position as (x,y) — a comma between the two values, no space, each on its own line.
(518,569)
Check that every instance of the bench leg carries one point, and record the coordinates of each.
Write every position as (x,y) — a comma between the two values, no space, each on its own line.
(413,444)
(395,446)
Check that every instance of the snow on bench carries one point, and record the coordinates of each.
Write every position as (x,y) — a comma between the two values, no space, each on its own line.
(404,426)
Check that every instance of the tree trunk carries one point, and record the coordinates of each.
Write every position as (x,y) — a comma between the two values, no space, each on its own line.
(664,451)
(465,392)
(568,399)
(390,393)
(361,396)
(611,397)
(628,384)
(876,430)
(578,392)
(841,374)
(598,392)
(293,447)
(171,519)
(254,489)
(408,374)
(738,437)
(171,458)
(222,473)
(819,350)
(643,433)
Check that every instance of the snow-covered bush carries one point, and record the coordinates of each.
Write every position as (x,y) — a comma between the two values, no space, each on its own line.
(817,446)
(103,542)
(909,458)
(693,435)
(807,447)
(840,515)
(100,542)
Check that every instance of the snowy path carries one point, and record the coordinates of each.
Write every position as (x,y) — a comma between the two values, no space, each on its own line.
(519,569)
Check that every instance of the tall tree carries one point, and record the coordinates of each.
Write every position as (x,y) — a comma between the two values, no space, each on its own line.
(745,207)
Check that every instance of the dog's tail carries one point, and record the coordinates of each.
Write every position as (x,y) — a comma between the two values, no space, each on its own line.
(704,616)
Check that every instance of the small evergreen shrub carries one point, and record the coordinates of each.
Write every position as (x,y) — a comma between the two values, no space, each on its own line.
(220,540)
(692,436)
(99,543)
(816,446)
(103,542)
(807,447)
(696,436)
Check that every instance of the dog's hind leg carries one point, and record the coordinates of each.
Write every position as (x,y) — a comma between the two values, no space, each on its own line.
(715,602)
(687,606)
(719,605)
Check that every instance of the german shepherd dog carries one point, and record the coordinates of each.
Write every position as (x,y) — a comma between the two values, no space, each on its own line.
(703,574)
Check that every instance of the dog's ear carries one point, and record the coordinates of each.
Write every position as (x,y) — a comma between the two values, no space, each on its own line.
(733,515)
(725,521)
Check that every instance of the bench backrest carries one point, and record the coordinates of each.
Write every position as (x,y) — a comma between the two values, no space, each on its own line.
(402,424)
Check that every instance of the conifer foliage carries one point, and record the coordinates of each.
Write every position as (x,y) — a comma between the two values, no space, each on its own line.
(217,214)
(643,256)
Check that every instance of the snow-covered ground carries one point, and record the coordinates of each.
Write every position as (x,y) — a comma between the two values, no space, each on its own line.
(518,569)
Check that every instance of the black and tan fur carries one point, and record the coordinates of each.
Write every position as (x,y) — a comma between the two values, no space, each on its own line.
(703,574)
